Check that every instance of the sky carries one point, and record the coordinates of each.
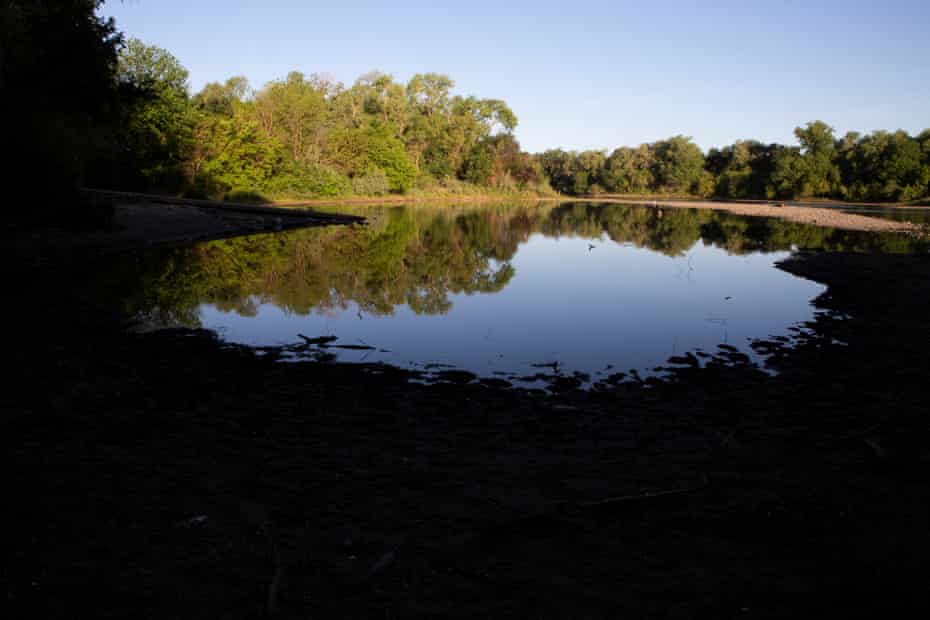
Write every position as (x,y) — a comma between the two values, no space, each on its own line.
(585,74)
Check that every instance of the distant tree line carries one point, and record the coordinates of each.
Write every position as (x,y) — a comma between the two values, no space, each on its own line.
(879,166)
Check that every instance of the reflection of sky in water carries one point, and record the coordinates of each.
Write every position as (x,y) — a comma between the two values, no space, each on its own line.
(585,308)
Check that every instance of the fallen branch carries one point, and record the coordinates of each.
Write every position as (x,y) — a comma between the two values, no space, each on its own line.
(622,499)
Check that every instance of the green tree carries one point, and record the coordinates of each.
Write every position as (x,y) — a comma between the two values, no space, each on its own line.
(924,140)
(629,170)
(294,111)
(239,156)
(216,98)
(590,169)
(788,175)
(479,164)
(883,166)
(159,119)
(678,165)
(387,153)
(820,174)
(742,170)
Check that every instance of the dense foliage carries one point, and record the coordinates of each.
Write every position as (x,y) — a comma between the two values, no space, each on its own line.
(307,136)
(57,61)
(881,166)
(92,109)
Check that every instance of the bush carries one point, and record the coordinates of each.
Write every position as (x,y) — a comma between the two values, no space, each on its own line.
(388,153)
(309,182)
(246,196)
(373,183)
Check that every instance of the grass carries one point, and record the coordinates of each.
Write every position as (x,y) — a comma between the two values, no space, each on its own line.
(447,190)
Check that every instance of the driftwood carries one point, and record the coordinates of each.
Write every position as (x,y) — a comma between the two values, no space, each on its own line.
(322,340)
(623,499)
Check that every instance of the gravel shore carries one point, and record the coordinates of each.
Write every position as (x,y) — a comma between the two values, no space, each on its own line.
(820,216)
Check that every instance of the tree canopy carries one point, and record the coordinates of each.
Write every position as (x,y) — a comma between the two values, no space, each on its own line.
(307,135)
(881,166)
(94,109)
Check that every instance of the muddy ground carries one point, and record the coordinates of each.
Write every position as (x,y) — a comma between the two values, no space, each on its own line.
(129,221)
(171,476)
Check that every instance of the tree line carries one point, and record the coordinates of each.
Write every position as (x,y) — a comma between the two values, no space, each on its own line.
(85,107)
(307,135)
(880,166)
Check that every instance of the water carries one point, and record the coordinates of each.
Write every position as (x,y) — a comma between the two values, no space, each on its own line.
(499,291)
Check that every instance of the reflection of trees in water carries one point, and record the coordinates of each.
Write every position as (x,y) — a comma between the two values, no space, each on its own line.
(674,231)
(420,257)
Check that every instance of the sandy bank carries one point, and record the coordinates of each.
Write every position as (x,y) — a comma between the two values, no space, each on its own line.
(144,220)
(830,217)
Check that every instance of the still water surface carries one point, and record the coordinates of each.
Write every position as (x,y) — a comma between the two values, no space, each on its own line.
(498,291)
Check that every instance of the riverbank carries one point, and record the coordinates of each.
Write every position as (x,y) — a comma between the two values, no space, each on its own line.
(148,220)
(138,221)
(798,213)
(171,475)
(821,213)
(424,197)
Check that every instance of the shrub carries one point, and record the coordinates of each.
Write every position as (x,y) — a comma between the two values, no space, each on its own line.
(309,181)
(245,195)
(373,183)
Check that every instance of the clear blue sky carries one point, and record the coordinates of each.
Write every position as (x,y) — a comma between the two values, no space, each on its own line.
(585,73)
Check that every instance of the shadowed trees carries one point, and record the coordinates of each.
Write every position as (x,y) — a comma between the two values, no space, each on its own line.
(57,68)
(158,118)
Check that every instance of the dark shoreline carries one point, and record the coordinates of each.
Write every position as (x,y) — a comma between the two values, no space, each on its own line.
(169,475)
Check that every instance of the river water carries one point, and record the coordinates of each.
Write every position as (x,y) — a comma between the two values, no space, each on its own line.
(502,291)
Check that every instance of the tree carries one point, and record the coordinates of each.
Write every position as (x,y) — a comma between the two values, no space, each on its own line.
(294,111)
(787,181)
(216,98)
(820,174)
(158,119)
(235,155)
(479,164)
(629,170)
(883,166)
(57,67)
(924,140)
(678,165)
(590,168)
(742,170)
(357,151)
(388,154)
(559,167)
